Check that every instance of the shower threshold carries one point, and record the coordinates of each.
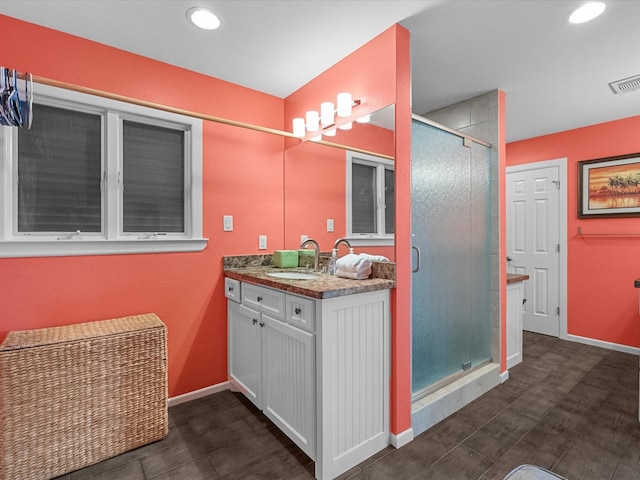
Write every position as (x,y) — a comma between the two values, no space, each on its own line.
(444,382)
(439,404)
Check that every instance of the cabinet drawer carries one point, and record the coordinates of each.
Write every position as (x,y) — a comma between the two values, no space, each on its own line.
(265,300)
(301,312)
(232,289)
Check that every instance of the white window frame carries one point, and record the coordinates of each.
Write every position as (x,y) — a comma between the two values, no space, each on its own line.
(378,238)
(111,240)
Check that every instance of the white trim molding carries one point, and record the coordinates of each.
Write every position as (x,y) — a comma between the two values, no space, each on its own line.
(203,392)
(603,344)
(401,439)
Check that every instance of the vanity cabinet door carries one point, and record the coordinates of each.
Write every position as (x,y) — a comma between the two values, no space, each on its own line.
(515,294)
(289,381)
(245,362)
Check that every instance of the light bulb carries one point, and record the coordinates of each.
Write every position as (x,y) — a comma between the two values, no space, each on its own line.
(316,139)
(327,114)
(344,104)
(313,121)
(203,18)
(364,119)
(346,126)
(586,12)
(330,133)
(298,127)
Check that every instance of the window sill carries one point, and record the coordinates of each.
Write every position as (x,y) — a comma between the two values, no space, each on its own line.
(63,248)
(364,241)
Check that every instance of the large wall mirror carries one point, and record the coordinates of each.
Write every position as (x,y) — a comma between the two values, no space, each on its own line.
(315,183)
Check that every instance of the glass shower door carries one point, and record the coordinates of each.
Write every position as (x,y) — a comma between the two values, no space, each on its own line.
(450,284)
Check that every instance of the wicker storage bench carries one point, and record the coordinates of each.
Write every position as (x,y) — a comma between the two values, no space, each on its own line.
(75,395)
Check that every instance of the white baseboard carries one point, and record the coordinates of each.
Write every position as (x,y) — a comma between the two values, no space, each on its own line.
(203,392)
(602,344)
(402,438)
(504,376)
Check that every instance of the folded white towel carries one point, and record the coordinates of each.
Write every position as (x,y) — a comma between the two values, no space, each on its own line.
(353,275)
(353,263)
(374,258)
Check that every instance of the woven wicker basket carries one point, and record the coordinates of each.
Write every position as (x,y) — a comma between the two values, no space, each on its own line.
(75,395)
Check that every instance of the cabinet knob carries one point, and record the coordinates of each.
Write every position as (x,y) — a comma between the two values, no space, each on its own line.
(261,324)
(254,321)
(259,299)
(298,310)
(231,289)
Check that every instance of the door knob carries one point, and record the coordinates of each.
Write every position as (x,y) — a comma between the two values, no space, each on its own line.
(509,258)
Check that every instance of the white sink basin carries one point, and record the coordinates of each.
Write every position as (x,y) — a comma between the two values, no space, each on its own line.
(293,275)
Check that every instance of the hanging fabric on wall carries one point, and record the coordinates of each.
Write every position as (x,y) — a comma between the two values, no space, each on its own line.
(16,98)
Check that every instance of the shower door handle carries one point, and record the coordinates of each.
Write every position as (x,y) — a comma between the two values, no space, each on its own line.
(417,258)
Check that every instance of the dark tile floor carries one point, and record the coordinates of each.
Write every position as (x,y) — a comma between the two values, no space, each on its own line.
(569,407)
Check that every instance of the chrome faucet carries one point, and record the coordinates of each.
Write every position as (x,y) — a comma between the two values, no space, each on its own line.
(339,241)
(316,256)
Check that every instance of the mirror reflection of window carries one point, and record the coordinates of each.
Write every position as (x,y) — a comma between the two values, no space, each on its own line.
(371,196)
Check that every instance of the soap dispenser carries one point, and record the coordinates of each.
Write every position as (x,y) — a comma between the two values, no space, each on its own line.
(332,262)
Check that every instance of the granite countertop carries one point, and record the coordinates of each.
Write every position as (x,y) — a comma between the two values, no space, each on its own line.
(516,277)
(325,286)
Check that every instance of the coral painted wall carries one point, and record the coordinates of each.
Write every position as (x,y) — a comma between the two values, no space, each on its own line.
(379,75)
(242,176)
(602,302)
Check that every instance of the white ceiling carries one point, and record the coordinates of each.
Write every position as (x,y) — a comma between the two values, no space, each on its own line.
(555,75)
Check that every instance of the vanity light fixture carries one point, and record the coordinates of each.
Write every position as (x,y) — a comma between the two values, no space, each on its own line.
(587,12)
(324,121)
(203,18)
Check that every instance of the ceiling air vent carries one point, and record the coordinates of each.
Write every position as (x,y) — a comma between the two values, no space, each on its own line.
(626,85)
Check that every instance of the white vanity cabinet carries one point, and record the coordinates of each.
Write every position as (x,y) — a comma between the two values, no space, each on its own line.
(318,368)
(272,363)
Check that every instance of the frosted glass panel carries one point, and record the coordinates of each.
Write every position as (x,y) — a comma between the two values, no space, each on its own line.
(451,323)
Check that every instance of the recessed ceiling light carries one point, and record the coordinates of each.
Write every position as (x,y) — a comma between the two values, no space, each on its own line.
(587,12)
(203,18)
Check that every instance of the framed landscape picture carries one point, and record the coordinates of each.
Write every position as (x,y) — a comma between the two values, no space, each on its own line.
(609,187)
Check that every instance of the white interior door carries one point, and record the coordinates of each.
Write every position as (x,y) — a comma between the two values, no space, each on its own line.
(533,244)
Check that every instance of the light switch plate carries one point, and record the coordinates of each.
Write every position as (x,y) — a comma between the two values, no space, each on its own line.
(329,224)
(262,242)
(227,223)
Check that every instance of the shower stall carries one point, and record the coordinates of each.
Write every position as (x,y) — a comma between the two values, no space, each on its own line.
(451,294)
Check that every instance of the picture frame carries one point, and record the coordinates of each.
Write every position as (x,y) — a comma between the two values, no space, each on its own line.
(609,187)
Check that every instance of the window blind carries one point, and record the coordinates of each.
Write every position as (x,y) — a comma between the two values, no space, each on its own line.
(59,172)
(363,198)
(153,174)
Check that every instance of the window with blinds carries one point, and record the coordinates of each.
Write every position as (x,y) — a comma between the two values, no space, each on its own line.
(370,196)
(97,176)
